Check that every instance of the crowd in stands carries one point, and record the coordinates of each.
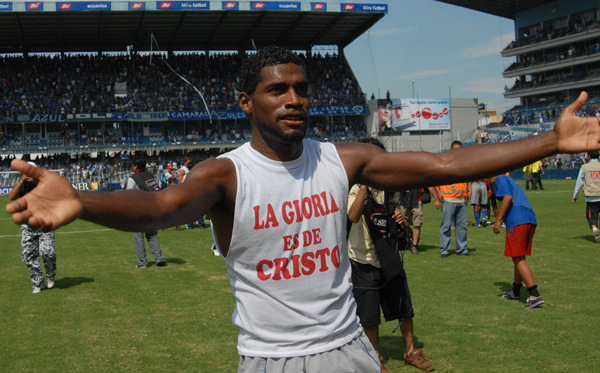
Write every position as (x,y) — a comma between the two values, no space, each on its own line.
(545,116)
(87,84)
(575,24)
(110,171)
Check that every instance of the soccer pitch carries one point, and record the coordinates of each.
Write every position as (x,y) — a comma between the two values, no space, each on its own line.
(105,315)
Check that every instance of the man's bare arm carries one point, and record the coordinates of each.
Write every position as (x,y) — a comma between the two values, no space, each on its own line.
(54,203)
(370,165)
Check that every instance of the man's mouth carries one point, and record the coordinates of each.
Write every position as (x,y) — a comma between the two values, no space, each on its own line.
(292,119)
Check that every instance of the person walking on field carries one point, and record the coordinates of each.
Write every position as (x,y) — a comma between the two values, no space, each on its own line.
(142,180)
(288,264)
(536,172)
(520,227)
(589,177)
(35,242)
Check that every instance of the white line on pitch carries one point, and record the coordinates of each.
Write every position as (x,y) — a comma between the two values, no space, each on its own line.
(94,230)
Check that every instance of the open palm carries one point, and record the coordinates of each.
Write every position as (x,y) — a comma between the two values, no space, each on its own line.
(52,204)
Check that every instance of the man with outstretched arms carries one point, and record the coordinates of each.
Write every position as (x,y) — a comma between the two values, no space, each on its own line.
(278,207)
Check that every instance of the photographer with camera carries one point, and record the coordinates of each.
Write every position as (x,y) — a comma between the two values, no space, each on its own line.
(378,275)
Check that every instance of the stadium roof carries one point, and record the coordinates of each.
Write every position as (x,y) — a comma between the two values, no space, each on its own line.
(52,29)
(502,8)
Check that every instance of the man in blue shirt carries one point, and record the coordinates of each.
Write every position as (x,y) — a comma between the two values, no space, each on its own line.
(520,227)
(589,175)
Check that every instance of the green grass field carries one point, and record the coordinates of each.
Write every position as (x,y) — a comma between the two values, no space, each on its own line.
(107,316)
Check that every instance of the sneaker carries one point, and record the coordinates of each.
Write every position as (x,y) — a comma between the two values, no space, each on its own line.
(161,263)
(478,226)
(178,228)
(214,250)
(510,295)
(50,283)
(503,225)
(483,223)
(489,222)
(443,256)
(139,266)
(597,235)
(533,302)
(417,359)
(414,249)
(36,290)
(466,253)
(383,368)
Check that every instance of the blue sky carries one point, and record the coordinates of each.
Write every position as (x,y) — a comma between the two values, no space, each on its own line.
(443,48)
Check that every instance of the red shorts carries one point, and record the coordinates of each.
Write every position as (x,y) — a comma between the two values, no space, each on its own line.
(518,240)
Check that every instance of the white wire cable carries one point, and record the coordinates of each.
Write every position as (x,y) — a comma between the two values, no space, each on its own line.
(152,42)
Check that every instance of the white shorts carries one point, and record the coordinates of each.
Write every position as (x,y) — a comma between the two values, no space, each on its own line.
(479,193)
(358,356)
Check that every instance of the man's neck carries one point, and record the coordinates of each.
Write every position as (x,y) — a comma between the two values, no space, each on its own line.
(277,150)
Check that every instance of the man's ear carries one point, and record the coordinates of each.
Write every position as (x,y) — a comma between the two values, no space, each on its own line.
(246,103)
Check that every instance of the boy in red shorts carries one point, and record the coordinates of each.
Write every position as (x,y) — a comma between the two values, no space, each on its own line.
(520,227)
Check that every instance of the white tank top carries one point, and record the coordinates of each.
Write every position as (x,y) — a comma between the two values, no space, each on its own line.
(288,261)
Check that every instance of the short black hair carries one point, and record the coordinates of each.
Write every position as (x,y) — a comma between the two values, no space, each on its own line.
(594,154)
(141,164)
(455,142)
(267,56)
(372,141)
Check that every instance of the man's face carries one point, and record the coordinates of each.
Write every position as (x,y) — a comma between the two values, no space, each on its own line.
(279,105)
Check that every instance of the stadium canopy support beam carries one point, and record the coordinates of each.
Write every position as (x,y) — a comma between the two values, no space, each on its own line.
(330,26)
(360,31)
(136,42)
(248,37)
(284,35)
(100,33)
(215,33)
(19,29)
(177,31)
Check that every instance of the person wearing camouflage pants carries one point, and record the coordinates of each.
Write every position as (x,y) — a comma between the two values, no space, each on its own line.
(33,244)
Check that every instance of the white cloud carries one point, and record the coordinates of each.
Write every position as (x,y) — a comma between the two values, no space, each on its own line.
(423,74)
(484,85)
(493,47)
(391,31)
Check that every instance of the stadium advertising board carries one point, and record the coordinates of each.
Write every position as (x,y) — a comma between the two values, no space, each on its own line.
(230,5)
(375,8)
(83,6)
(408,114)
(339,110)
(34,6)
(318,7)
(148,116)
(203,115)
(136,6)
(182,5)
(163,116)
(6,7)
(275,5)
(5,190)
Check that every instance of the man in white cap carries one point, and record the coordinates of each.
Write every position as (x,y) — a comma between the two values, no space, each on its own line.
(34,242)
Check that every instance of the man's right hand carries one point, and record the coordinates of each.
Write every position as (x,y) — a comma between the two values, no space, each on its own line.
(52,204)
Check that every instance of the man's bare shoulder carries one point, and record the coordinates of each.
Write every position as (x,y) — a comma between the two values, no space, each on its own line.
(214,169)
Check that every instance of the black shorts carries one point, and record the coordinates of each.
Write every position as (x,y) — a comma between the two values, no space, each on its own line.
(591,213)
(371,291)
